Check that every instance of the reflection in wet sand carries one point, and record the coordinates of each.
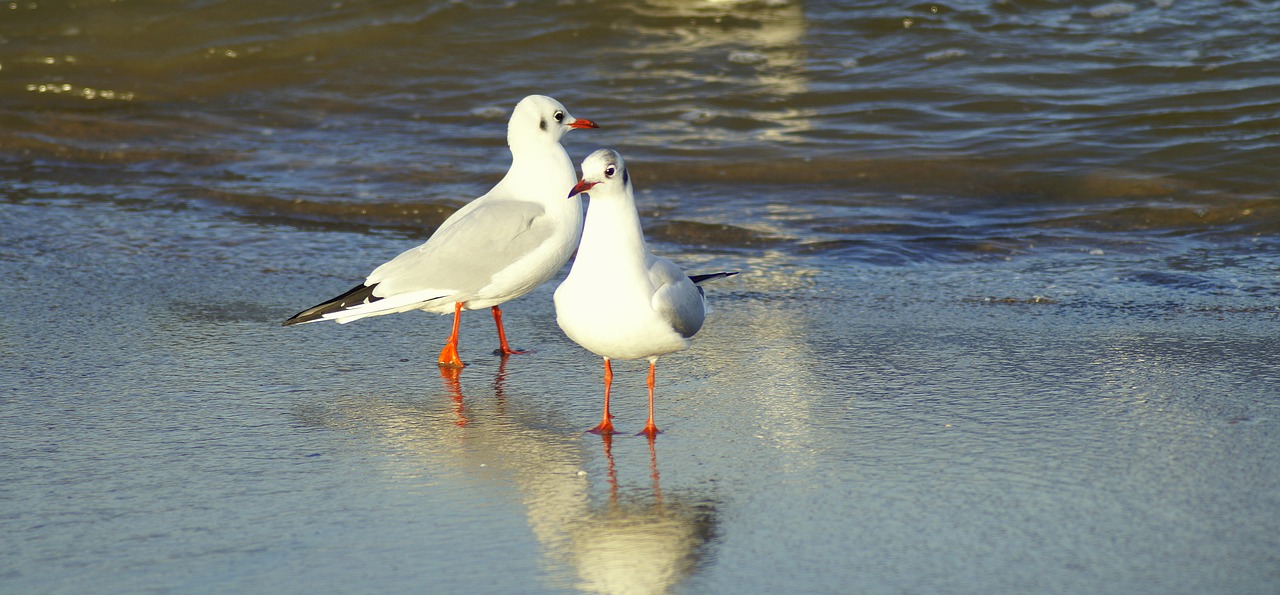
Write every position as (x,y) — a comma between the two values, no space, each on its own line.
(771,349)
(634,541)
(640,545)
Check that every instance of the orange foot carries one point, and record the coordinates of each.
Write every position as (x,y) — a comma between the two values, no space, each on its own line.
(449,357)
(649,430)
(605,428)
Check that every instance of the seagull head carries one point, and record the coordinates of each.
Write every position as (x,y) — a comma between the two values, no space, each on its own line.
(604,168)
(538,118)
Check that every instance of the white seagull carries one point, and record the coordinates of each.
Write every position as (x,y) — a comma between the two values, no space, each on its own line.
(498,247)
(619,300)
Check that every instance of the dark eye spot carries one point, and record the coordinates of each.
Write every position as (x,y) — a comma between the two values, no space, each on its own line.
(609,171)
(559,116)
(542,123)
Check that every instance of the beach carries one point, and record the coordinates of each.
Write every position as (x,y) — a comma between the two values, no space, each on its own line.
(1006,317)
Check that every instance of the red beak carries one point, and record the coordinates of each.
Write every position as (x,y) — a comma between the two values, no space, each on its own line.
(583,123)
(581,186)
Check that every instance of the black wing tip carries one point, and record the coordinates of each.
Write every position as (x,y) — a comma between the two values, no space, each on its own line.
(700,279)
(305,316)
(360,294)
(300,318)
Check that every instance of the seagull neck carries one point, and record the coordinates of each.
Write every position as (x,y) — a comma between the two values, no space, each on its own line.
(533,161)
(612,221)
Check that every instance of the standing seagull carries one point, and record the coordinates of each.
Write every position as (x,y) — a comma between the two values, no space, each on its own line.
(619,300)
(496,248)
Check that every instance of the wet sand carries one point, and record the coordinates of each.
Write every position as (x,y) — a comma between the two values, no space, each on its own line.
(832,429)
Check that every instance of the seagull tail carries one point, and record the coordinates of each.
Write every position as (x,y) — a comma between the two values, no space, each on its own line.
(360,294)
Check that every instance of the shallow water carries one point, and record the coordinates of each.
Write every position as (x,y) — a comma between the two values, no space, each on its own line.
(1006,319)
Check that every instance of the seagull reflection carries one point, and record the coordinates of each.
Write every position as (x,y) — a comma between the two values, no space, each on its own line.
(453,386)
(641,545)
(632,540)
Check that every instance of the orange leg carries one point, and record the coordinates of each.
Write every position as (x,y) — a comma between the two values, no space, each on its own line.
(503,349)
(650,429)
(606,424)
(449,355)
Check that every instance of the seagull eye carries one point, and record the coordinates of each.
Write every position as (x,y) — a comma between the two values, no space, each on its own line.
(559,116)
(609,171)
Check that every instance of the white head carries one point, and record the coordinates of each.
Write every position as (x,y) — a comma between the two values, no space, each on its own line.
(539,119)
(604,168)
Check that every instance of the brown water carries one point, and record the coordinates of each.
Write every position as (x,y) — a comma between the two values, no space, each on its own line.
(1007,317)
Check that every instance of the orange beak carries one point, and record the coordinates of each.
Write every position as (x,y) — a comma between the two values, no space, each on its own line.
(583,123)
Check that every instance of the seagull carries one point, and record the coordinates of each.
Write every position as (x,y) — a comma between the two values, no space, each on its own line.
(498,247)
(619,300)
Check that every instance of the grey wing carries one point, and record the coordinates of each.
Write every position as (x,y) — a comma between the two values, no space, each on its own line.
(464,255)
(676,297)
